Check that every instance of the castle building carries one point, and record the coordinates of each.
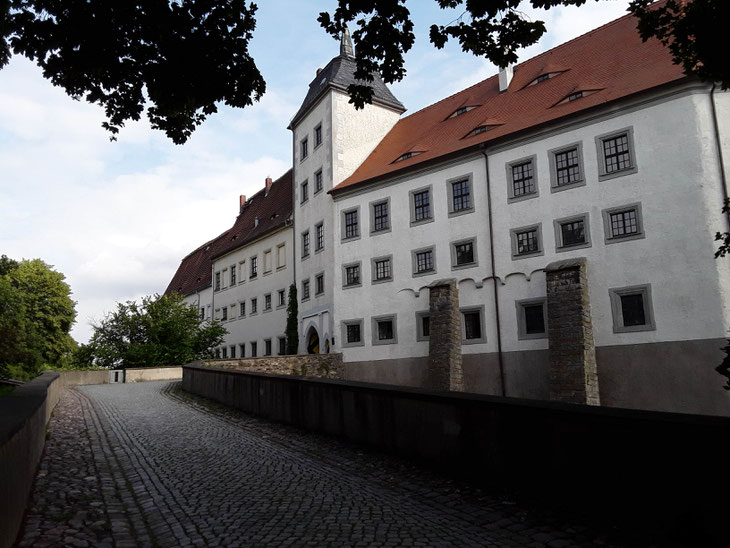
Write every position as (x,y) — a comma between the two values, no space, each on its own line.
(570,202)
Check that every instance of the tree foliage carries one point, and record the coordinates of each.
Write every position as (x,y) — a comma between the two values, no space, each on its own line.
(36,316)
(179,58)
(292,321)
(157,331)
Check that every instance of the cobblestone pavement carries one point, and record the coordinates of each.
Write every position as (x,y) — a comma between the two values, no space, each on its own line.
(149,465)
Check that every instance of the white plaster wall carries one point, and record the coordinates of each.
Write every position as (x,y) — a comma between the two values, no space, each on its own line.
(201,299)
(264,324)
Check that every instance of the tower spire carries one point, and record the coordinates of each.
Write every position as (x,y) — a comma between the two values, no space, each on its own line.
(346,49)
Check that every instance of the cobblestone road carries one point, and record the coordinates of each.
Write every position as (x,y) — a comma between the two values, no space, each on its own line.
(148,465)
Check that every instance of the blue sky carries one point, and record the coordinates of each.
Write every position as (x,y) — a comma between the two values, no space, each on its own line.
(117,217)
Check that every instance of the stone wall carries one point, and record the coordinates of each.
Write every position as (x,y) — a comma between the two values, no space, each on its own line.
(573,373)
(306,365)
(147,374)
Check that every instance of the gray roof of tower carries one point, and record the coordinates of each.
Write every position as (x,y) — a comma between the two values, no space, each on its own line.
(340,73)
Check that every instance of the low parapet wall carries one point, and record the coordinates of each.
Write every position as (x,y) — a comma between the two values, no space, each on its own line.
(153,374)
(23,418)
(639,464)
(323,366)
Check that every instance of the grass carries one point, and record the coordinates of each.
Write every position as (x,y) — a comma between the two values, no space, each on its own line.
(6,389)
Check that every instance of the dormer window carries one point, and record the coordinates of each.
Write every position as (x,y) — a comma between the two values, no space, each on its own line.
(543,77)
(479,130)
(407,155)
(574,96)
(461,110)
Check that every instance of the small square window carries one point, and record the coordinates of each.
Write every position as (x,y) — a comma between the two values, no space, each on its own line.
(566,167)
(267,301)
(281,298)
(631,308)
(623,223)
(254,262)
(615,153)
(522,179)
(572,233)
(254,305)
(472,325)
(267,347)
(531,319)
(526,241)
(423,261)
(380,216)
(305,243)
(463,254)
(421,206)
(304,148)
(351,224)
(317,135)
(352,275)
(384,330)
(305,191)
(282,346)
(460,196)
(352,333)
(423,326)
(318,182)
(254,349)
(319,284)
(305,290)
(382,269)
(319,232)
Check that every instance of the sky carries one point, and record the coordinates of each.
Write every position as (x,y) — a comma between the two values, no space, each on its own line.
(117,217)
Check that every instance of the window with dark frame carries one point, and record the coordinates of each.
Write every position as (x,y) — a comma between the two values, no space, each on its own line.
(267,301)
(202,313)
(351,228)
(254,349)
(319,244)
(424,261)
(574,96)
(233,274)
(632,310)
(573,233)
(464,253)
(217,281)
(233,351)
(318,181)
(224,352)
(305,290)
(385,330)
(472,325)
(353,332)
(542,78)
(426,326)
(305,244)
(567,167)
(534,319)
(242,308)
(242,350)
(318,136)
(382,269)
(267,347)
(305,191)
(254,305)
(381,217)
(319,284)
(282,346)
(461,195)
(616,153)
(224,313)
(282,297)
(523,181)
(624,223)
(527,242)
(304,148)
(254,267)
(421,205)
(352,275)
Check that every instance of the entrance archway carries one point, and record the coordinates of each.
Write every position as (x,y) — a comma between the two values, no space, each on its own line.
(312,341)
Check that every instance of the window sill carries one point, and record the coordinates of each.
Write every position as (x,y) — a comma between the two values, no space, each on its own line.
(559,188)
(564,248)
(382,281)
(480,340)
(352,286)
(527,255)
(422,222)
(350,239)
(424,273)
(615,174)
(618,239)
(379,232)
(522,197)
(461,212)
(464,266)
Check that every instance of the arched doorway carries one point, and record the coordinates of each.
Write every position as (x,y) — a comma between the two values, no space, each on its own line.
(312,341)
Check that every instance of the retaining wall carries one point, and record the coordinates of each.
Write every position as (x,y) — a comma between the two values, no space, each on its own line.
(308,365)
(153,374)
(636,464)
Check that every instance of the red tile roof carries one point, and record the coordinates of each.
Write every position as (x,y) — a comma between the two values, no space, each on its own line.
(611,59)
(263,213)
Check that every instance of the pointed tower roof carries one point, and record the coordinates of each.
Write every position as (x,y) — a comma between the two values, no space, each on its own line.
(339,74)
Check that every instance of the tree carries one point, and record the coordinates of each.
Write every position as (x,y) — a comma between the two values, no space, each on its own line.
(158,331)
(292,321)
(36,316)
(183,56)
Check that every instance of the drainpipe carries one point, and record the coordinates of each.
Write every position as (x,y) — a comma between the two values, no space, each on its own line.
(723,178)
(494,276)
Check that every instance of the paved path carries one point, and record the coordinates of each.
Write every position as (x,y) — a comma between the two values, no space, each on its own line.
(147,465)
